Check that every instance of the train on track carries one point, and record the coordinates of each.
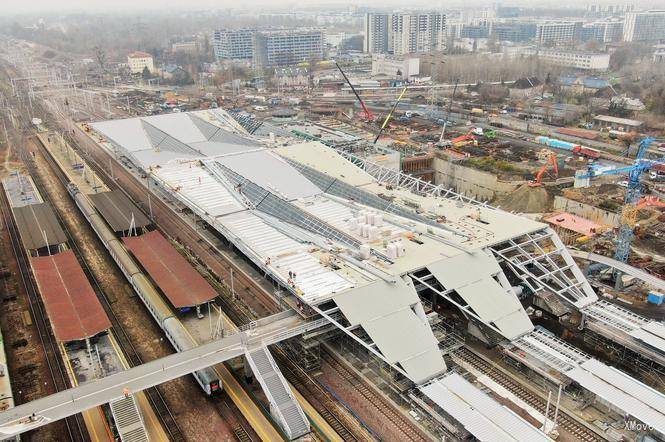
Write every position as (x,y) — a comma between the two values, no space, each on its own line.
(177,334)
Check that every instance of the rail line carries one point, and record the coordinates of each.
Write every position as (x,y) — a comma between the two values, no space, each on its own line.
(153,394)
(564,420)
(325,405)
(381,404)
(229,413)
(203,255)
(57,370)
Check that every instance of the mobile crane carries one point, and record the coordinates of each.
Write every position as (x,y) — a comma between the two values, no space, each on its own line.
(367,114)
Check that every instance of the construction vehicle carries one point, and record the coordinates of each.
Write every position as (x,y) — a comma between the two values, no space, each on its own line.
(367,114)
(539,176)
(633,193)
(463,140)
(487,133)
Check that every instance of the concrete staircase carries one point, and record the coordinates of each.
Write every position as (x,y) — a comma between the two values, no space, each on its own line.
(283,405)
(128,421)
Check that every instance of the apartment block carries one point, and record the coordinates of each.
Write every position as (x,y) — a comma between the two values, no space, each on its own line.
(557,32)
(514,31)
(376,33)
(603,31)
(644,26)
(234,44)
(284,47)
(403,33)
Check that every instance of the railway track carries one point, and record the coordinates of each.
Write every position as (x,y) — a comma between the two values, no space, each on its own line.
(347,428)
(168,221)
(564,420)
(74,424)
(153,394)
(382,405)
(236,422)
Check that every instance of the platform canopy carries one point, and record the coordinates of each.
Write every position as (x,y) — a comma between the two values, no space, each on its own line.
(38,226)
(119,211)
(71,304)
(179,281)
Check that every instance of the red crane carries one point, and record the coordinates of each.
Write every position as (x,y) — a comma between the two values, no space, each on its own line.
(369,116)
(541,172)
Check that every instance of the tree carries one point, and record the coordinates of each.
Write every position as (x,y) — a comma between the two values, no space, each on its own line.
(100,57)
(146,73)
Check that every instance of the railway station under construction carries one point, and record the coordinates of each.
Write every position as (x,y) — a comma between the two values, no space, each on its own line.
(363,251)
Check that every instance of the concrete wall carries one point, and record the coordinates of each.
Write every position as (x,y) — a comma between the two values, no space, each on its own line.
(480,185)
(562,204)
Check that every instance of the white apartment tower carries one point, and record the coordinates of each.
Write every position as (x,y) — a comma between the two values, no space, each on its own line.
(557,32)
(644,26)
(404,33)
(376,33)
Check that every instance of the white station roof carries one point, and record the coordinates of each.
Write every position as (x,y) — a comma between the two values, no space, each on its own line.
(481,416)
(622,391)
(317,234)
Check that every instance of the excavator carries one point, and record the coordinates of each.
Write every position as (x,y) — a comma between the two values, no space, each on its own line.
(539,176)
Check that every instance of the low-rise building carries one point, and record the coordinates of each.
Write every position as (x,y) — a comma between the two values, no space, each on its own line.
(185,46)
(526,87)
(291,78)
(138,61)
(616,123)
(572,228)
(582,84)
(403,68)
(590,61)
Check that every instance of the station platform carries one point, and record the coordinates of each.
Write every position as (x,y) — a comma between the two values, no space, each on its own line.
(554,358)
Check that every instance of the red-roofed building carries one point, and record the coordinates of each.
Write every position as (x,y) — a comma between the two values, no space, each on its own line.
(572,227)
(137,61)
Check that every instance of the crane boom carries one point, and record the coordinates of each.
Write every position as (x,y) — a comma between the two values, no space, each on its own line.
(633,193)
(390,114)
(368,115)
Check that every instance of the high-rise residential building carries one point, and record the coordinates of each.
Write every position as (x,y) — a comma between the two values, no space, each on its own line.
(644,26)
(475,31)
(607,31)
(376,33)
(283,47)
(403,33)
(233,44)
(514,31)
(557,32)
(270,47)
(598,10)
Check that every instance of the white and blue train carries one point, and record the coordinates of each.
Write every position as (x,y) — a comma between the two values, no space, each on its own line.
(176,333)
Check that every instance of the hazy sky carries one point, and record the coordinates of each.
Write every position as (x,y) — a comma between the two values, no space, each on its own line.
(32,6)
